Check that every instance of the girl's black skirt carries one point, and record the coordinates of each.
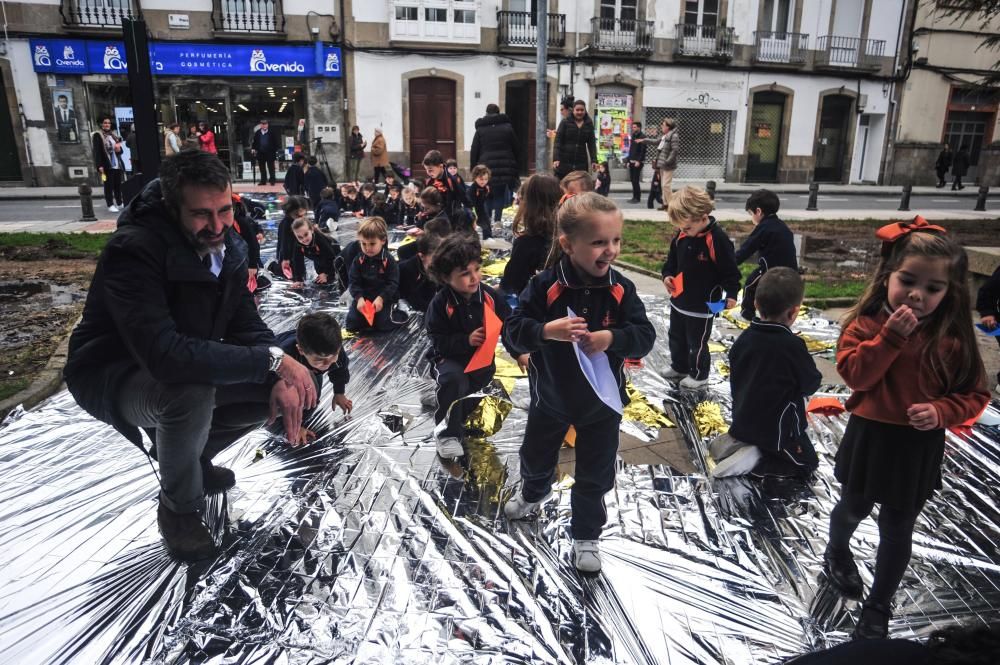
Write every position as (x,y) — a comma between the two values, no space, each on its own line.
(894,465)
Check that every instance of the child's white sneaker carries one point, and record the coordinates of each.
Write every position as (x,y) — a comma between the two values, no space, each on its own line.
(587,556)
(671,374)
(517,508)
(449,447)
(692,383)
(739,463)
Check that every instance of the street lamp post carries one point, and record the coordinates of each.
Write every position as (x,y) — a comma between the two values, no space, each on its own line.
(541,86)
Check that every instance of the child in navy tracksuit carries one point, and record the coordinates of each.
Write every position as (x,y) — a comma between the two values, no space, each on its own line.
(328,210)
(373,277)
(771,374)
(603,184)
(700,268)
(455,200)
(317,343)
(479,192)
(455,321)
(415,284)
(988,306)
(296,207)
(409,206)
(771,240)
(342,263)
(609,317)
(313,245)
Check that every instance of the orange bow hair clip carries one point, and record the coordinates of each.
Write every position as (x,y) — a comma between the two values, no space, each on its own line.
(890,233)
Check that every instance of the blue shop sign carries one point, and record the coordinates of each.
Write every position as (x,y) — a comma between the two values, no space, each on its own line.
(188,59)
(64,56)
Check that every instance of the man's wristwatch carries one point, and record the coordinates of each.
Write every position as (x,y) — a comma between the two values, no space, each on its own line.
(276,356)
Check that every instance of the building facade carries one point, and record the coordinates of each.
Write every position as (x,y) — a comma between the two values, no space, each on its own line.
(942,101)
(764,90)
(229,63)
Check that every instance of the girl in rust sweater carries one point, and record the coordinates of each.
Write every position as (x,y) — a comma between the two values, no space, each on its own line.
(908,352)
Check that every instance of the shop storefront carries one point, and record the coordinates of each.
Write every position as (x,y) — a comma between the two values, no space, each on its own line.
(229,86)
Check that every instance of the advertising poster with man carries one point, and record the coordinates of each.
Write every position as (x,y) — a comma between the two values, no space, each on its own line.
(67,130)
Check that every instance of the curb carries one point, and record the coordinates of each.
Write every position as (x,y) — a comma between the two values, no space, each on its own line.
(46,383)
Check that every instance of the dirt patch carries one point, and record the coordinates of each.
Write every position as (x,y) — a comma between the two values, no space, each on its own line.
(41,296)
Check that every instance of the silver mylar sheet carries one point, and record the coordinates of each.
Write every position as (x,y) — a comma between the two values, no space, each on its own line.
(364,547)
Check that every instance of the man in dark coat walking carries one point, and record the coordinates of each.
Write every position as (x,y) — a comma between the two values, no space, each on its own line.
(265,148)
(636,158)
(171,342)
(495,145)
(576,143)
(959,167)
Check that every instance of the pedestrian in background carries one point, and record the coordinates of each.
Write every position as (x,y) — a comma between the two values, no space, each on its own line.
(357,147)
(667,153)
(265,148)
(206,138)
(108,161)
(943,164)
(496,147)
(636,158)
(380,156)
(172,139)
(576,143)
(192,142)
(959,167)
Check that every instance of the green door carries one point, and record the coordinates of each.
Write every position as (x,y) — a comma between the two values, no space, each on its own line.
(10,163)
(764,146)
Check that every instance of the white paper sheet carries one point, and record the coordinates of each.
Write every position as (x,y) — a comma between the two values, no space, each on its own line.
(597,369)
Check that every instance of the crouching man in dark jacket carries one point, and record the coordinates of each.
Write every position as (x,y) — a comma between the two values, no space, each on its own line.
(171,342)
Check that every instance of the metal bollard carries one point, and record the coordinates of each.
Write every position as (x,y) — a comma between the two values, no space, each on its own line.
(904,203)
(981,199)
(86,204)
(710,189)
(813,196)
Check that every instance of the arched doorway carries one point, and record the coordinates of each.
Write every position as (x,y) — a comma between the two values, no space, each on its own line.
(432,118)
(833,137)
(766,132)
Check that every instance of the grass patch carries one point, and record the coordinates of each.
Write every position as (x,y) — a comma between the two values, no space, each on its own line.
(11,387)
(87,244)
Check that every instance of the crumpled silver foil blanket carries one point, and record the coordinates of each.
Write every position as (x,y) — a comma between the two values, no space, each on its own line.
(364,547)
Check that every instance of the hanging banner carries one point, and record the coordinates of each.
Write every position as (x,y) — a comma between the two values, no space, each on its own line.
(74,56)
(613,117)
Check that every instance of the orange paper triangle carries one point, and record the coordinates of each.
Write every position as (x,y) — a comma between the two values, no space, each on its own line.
(678,285)
(483,357)
(570,438)
(368,311)
(828,406)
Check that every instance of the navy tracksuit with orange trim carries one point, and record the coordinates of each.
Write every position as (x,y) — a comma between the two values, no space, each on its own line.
(370,277)
(707,262)
(450,319)
(561,395)
(322,251)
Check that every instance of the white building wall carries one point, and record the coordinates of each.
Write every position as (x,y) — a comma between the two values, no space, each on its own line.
(188,6)
(815,18)
(379,90)
(886,23)
(30,99)
(743,17)
(371,11)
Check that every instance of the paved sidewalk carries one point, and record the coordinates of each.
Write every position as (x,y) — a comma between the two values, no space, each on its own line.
(64,193)
(728,214)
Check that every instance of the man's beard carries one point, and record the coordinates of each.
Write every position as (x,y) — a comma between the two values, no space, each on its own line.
(203,242)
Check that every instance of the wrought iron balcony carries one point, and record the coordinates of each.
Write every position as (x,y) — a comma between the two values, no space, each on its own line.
(786,48)
(704,41)
(836,51)
(520,29)
(248,16)
(96,13)
(621,35)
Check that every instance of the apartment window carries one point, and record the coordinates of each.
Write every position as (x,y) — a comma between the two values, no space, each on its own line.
(777,15)
(701,12)
(436,15)
(626,10)
(406,13)
(465,16)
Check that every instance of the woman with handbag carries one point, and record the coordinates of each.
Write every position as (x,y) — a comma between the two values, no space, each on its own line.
(108,160)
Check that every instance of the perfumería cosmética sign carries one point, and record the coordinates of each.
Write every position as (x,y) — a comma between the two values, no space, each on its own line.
(77,56)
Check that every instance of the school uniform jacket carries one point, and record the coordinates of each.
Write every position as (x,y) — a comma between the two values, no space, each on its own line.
(455,197)
(479,195)
(708,263)
(328,210)
(557,382)
(887,373)
(321,251)
(372,276)
(339,372)
(773,242)
(408,214)
(415,287)
(450,319)
(771,374)
(988,298)
(527,256)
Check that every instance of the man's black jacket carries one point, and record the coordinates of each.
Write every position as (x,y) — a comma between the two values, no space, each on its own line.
(153,305)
